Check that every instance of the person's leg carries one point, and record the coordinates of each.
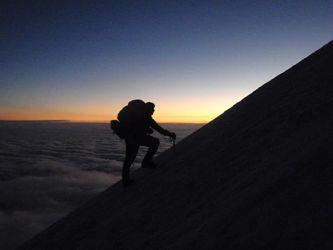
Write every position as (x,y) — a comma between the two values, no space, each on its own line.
(131,151)
(152,143)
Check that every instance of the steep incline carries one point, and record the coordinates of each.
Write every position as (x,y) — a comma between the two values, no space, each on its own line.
(257,177)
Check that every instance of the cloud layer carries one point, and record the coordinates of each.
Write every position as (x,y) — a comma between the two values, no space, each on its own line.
(48,169)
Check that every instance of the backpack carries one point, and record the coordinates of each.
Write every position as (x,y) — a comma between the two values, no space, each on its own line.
(132,113)
(130,119)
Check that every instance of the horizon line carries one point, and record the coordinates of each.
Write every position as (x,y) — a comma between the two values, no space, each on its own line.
(96,121)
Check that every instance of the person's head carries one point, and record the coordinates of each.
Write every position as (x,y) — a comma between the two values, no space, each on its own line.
(150,108)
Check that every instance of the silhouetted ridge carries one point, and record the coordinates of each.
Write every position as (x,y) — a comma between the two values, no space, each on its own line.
(257,177)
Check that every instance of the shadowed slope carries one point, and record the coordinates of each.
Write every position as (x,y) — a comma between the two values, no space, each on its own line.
(257,177)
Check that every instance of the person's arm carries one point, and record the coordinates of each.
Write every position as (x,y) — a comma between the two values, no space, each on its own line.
(161,130)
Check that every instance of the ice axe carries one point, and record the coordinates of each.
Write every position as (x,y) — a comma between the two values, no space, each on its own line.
(173,144)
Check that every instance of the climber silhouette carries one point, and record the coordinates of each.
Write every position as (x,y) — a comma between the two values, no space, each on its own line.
(135,126)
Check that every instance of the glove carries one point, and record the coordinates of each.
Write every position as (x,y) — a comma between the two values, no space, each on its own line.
(172,135)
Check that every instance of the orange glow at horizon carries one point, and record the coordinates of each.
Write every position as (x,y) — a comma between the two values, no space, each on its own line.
(38,115)
(194,110)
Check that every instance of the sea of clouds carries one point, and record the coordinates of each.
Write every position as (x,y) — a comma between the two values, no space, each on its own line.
(48,169)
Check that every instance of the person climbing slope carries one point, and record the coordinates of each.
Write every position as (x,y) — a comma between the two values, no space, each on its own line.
(135,124)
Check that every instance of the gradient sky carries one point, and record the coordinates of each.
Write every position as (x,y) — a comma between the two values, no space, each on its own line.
(193,59)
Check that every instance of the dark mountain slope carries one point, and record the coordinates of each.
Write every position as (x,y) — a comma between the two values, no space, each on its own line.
(257,177)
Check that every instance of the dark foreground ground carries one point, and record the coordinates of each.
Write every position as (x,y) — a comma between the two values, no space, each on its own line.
(257,177)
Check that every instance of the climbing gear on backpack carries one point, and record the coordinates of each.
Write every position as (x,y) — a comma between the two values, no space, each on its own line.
(117,129)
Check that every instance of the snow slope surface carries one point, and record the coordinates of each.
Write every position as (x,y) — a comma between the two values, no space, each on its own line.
(257,177)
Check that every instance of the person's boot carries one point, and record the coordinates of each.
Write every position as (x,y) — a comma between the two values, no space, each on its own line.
(127,182)
(148,164)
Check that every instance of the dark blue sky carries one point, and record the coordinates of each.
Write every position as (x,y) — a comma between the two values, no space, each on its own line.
(83,61)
